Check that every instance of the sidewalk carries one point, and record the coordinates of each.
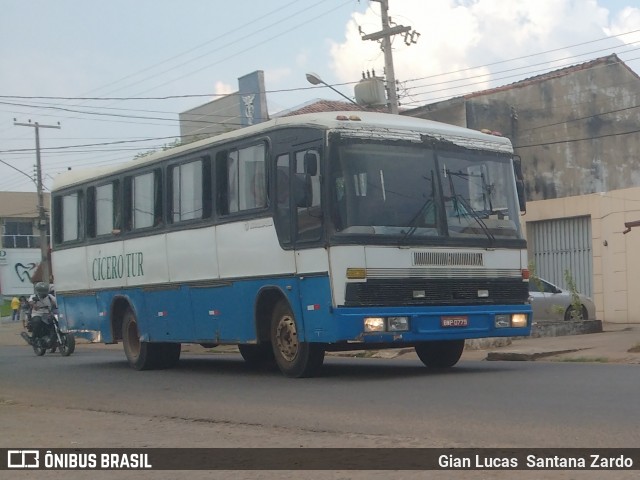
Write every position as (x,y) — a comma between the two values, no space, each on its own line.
(618,343)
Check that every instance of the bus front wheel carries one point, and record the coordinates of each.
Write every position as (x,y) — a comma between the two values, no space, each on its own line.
(141,355)
(295,359)
(440,354)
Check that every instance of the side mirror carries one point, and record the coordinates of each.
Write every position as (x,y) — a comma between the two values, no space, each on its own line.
(302,190)
(520,190)
(311,163)
(522,201)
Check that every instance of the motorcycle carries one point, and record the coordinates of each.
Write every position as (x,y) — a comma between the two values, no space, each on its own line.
(53,340)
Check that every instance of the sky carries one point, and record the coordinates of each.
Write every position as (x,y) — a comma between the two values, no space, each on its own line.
(105,64)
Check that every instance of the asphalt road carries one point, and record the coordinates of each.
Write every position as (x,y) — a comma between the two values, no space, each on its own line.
(94,400)
(356,401)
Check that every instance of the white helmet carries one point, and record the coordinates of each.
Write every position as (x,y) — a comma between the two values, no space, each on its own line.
(41,289)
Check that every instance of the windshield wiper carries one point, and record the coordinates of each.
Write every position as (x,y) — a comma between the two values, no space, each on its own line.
(467,206)
(469,211)
(413,224)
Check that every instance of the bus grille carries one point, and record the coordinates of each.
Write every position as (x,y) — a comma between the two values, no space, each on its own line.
(396,292)
(448,259)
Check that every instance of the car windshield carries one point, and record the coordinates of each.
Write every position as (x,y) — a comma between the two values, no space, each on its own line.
(415,191)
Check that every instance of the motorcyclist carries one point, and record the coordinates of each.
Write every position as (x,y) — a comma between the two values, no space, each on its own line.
(43,305)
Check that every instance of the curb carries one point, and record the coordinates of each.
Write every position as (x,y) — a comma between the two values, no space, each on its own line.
(527,356)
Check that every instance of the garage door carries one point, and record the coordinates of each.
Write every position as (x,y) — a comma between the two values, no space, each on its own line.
(559,245)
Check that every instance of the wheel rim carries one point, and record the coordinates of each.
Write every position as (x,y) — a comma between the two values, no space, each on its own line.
(287,338)
(133,342)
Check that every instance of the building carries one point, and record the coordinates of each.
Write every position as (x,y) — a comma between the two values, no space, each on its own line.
(20,252)
(577,131)
(320,105)
(245,107)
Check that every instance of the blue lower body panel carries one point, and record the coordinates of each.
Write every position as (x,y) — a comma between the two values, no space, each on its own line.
(226,313)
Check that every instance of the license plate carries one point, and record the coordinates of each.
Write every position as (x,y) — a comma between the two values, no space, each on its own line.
(454,321)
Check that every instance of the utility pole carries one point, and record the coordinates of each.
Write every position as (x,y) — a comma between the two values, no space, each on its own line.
(42,215)
(385,34)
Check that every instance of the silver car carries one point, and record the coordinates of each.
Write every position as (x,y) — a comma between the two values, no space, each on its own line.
(550,302)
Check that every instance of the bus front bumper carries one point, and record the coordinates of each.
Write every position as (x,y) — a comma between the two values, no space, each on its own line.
(409,325)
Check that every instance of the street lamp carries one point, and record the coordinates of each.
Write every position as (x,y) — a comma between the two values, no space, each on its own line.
(314,79)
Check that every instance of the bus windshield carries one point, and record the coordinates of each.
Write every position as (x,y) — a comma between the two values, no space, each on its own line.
(415,191)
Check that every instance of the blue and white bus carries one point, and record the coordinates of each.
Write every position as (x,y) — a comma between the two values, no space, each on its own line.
(297,236)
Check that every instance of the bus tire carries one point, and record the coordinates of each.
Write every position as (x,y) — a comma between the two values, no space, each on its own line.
(141,355)
(440,353)
(295,359)
(257,355)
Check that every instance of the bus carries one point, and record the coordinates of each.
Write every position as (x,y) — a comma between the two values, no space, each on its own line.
(298,236)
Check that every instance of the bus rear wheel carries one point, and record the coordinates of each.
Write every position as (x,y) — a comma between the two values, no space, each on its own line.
(141,355)
(441,353)
(295,359)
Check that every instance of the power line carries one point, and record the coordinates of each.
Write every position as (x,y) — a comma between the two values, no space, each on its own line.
(64,109)
(117,142)
(226,34)
(185,52)
(204,122)
(140,140)
(572,140)
(533,72)
(200,95)
(528,56)
(569,60)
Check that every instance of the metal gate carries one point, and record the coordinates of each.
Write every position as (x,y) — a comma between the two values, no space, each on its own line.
(556,246)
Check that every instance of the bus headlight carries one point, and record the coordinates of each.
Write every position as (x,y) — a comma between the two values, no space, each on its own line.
(514,320)
(519,320)
(398,324)
(373,324)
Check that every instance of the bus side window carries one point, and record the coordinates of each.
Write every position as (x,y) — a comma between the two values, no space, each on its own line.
(143,201)
(69,220)
(241,179)
(187,183)
(102,210)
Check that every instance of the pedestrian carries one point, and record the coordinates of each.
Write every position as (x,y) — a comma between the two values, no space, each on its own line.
(15,306)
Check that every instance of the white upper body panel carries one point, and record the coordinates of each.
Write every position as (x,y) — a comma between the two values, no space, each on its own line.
(370,125)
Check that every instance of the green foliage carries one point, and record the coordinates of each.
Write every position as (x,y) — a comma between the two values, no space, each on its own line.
(533,277)
(571,286)
(576,304)
(168,146)
(5,308)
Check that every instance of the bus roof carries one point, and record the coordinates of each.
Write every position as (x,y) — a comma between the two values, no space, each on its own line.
(356,124)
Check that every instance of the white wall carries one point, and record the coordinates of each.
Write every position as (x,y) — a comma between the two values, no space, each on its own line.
(616,256)
(16,267)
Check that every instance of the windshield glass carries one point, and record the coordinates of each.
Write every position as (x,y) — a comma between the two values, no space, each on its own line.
(414,191)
